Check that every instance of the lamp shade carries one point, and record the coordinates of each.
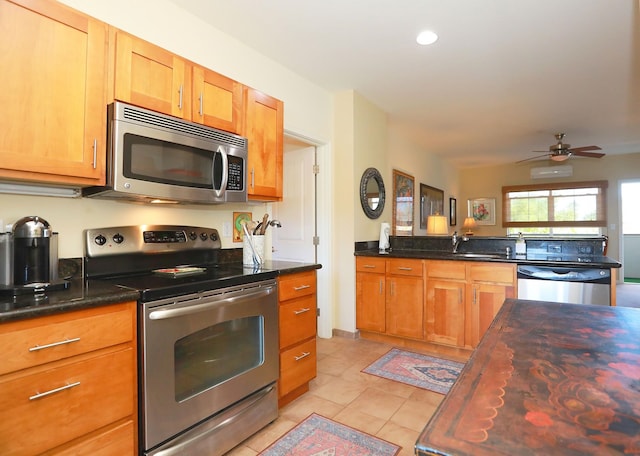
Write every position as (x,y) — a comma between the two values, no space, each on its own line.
(437,224)
(469,224)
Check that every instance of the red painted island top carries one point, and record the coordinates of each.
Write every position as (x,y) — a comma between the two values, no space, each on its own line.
(546,379)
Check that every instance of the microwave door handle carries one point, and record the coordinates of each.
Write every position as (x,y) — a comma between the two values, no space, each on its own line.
(225,172)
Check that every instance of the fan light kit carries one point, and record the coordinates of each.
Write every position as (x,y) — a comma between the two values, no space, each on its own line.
(560,151)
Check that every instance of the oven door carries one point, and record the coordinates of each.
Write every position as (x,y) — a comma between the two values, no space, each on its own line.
(205,352)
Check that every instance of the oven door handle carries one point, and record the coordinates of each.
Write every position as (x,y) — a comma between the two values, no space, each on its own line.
(179,447)
(165,314)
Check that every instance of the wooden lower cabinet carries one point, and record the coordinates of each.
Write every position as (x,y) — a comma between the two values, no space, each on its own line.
(298,329)
(445,312)
(489,285)
(446,289)
(73,397)
(390,296)
(371,294)
(449,303)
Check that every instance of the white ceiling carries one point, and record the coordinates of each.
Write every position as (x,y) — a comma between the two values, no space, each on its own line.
(503,78)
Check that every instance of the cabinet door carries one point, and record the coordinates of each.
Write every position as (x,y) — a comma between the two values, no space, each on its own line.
(264,125)
(446,312)
(370,302)
(53,114)
(151,77)
(405,306)
(486,301)
(217,100)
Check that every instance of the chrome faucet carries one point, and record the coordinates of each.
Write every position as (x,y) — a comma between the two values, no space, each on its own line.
(455,240)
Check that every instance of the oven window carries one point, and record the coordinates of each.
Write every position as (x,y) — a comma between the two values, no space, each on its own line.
(217,353)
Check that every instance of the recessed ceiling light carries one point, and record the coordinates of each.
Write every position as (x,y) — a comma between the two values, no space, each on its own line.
(427,37)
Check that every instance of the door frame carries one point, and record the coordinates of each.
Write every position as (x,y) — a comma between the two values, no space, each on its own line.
(323,198)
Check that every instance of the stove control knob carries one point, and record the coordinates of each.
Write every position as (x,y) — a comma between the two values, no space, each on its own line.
(100,239)
(214,236)
(193,235)
(118,238)
(203,236)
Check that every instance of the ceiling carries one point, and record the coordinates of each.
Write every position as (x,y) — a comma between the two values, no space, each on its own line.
(502,79)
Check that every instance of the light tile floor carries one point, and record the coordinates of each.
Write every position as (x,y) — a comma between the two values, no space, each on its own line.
(389,410)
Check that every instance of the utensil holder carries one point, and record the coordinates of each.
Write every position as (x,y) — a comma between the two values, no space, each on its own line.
(247,251)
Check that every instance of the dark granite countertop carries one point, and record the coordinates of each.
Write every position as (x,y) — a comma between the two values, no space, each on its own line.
(538,259)
(91,293)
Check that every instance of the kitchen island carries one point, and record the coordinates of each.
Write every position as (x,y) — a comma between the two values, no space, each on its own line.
(547,378)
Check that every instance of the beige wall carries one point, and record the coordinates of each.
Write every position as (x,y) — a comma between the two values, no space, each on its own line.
(488,182)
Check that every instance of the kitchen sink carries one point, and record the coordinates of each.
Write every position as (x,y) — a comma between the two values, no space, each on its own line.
(479,255)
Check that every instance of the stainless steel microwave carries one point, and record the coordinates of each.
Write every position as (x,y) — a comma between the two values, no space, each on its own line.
(152,157)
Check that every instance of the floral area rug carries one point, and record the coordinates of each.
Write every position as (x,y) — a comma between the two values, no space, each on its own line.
(416,369)
(320,436)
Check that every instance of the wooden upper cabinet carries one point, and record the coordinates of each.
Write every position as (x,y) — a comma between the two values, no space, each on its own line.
(151,77)
(264,127)
(53,100)
(217,100)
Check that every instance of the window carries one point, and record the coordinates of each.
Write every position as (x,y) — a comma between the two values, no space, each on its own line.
(559,208)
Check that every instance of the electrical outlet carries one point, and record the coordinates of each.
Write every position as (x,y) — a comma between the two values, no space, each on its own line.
(226,229)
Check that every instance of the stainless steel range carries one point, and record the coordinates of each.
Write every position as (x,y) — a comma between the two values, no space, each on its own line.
(208,336)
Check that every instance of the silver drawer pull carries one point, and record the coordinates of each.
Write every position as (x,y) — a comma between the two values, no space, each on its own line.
(301,287)
(55,344)
(405,269)
(302,356)
(369,266)
(56,390)
(301,311)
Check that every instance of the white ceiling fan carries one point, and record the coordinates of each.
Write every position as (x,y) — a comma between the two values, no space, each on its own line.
(562,151)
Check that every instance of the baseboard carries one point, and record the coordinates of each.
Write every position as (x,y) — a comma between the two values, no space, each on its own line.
(346,334)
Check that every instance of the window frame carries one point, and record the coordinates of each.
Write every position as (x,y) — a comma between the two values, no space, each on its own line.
(601,204)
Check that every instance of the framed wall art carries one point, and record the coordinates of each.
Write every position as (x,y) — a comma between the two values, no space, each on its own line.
(238,219)
(431,203)
(453,212)
(483,210)
(403,195)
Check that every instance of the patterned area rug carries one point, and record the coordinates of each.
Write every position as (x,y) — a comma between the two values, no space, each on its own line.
(416,369)
(320,436)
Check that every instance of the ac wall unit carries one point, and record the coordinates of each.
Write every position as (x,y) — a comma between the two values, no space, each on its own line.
(551,172)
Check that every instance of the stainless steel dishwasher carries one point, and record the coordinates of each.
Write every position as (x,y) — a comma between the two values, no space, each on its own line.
(574,285)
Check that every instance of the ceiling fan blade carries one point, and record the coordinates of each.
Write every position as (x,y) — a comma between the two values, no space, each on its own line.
(584,149)
(533,158)
(587,154)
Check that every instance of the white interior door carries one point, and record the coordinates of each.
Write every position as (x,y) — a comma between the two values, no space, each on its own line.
(294,240)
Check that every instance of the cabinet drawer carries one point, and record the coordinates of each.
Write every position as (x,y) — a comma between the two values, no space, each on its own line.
(297,320)
(494,273)
(295,285)
(32,424)
(41,340)
(368,264)
(297,366)
(400,266)
(119,440)
(452,270)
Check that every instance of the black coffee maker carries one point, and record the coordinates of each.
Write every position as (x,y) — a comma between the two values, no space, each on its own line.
(31,257)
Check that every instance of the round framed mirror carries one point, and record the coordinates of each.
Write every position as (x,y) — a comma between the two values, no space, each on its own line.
(372,194)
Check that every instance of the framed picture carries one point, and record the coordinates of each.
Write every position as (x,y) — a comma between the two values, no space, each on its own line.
(403,194)
(431,203)
(483,210)
(238,218)
(453,212)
